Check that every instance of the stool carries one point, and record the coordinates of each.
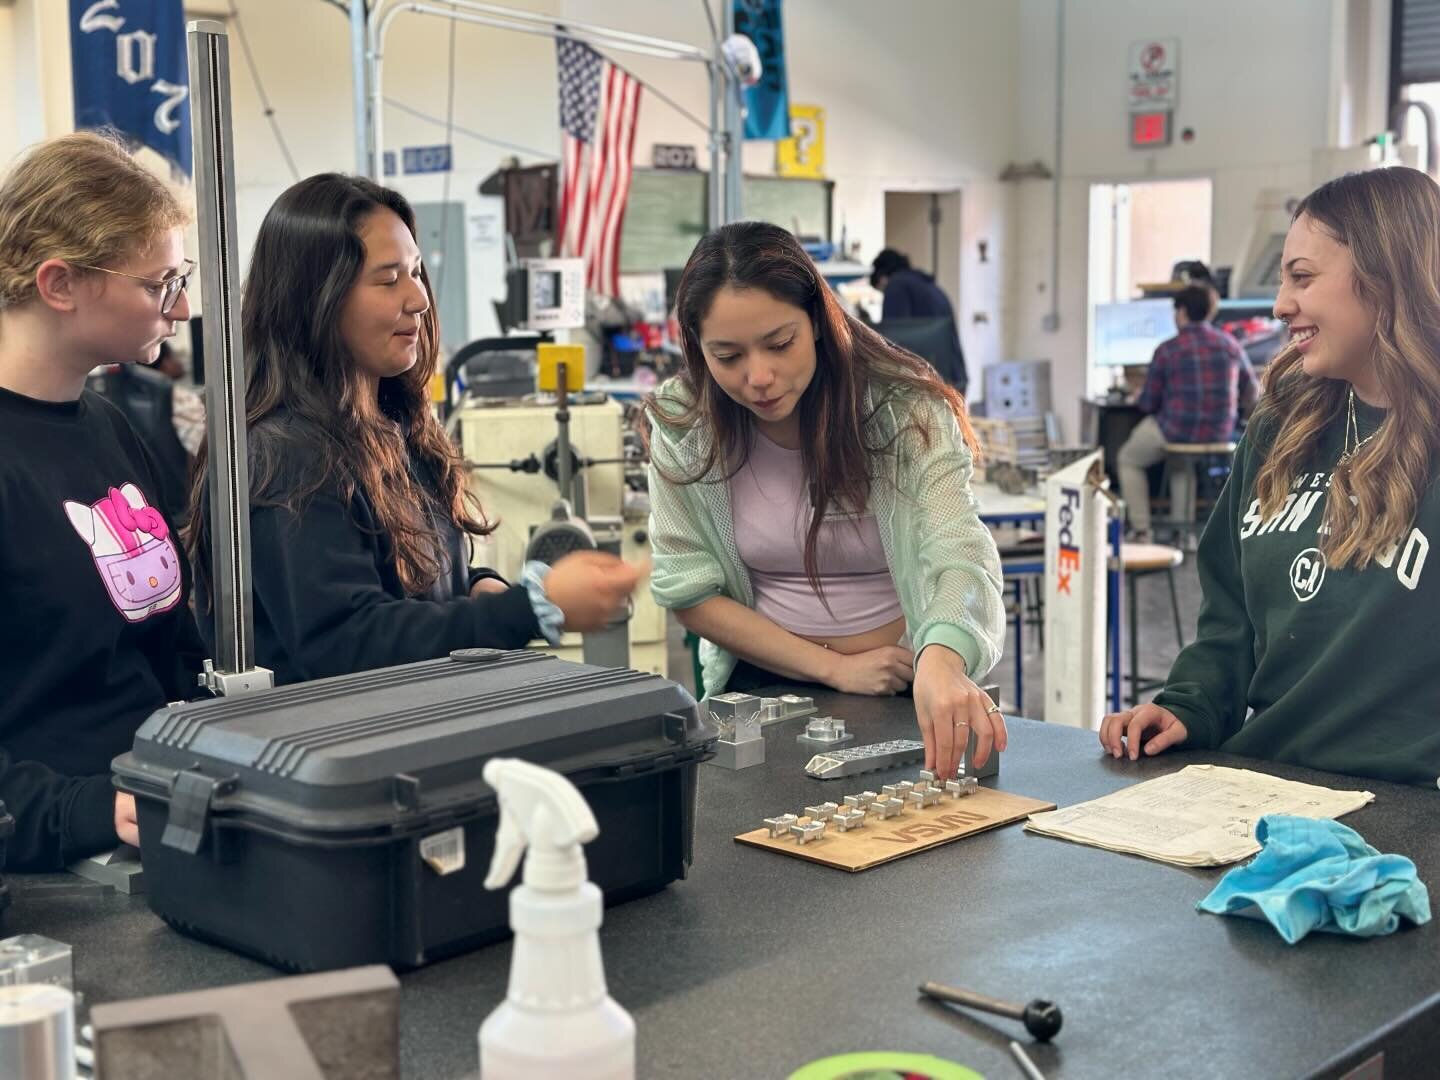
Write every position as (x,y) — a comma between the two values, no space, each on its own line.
(1022,560)
(1143,560)
(1181,463)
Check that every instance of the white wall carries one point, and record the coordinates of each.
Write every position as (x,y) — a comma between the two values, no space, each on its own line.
(920,95)
(9,85)
(1254,84)
(35,95)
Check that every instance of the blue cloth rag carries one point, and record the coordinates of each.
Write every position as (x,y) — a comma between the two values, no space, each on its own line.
(1320,875)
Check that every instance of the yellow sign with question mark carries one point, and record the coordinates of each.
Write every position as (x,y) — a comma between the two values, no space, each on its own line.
(803,154)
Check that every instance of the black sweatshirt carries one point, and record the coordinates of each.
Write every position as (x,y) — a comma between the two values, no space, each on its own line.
(95,628)
(328,597)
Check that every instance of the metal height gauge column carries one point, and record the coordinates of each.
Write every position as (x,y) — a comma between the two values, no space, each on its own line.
(233,669)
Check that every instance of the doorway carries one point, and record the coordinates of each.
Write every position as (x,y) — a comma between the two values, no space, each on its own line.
(925,225)
(1138,232)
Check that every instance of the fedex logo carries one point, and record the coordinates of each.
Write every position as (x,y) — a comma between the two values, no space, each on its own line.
(1069,560)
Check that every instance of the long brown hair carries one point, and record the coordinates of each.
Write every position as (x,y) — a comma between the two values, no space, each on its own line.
(849,356)
(307,257)
(82,198)
(1390,221)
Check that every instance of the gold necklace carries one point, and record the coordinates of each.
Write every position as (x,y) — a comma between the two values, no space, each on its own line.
(1352,430)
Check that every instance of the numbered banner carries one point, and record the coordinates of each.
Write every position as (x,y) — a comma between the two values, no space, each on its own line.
(767,104)
(131,74)
(803,154)
(1076,560)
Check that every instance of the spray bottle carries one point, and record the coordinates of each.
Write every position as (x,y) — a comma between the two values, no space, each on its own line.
(557,1020)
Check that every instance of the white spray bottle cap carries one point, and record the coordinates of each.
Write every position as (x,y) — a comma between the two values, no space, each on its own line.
(541,809)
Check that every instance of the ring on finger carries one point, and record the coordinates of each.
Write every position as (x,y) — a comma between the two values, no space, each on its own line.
(992,709)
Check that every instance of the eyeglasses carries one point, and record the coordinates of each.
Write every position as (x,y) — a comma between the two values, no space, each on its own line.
(170,288)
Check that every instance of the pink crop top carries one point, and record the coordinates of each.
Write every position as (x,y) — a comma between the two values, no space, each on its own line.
(770,503)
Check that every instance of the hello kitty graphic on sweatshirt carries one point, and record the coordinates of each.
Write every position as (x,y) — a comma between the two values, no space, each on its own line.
(95,630)
(133,552)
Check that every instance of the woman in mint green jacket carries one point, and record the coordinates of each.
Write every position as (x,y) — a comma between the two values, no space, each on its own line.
(812,518)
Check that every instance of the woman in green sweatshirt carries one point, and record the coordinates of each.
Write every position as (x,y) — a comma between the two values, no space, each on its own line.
(1314,644)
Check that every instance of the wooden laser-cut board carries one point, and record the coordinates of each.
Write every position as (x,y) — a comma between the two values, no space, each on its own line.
(914,830)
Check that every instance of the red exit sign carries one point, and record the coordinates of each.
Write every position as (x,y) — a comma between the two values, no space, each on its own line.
(1149,129)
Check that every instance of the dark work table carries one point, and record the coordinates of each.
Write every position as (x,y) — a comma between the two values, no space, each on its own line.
(759,963)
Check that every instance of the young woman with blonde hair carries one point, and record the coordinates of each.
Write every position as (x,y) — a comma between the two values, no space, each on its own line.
(95,631)
(1314,642)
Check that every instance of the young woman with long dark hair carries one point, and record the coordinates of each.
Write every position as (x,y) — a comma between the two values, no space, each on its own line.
(360,516)
(812,513)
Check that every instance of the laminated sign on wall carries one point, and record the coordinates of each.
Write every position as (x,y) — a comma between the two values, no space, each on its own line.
(1076,557)
(803,154)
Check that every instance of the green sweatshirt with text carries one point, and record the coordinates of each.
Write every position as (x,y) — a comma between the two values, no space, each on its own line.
(1298,662)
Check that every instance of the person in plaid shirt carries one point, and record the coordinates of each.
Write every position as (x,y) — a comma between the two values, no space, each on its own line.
(1193,390)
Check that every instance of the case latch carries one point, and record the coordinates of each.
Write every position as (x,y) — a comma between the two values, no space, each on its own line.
(190,800)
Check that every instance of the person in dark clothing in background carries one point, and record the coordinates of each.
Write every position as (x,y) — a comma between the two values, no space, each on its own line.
(913,304)
(95,629)
(909,293)
(360,520)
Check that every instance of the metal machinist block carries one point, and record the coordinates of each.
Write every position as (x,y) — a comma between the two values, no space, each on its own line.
(823,812)
(992,763)
(825,731)
(738,755)
(990,768)
(930,796)
(785,707)
(120,869)
(890,791)
(903,789)
(958,789)
(915,800)
(779,826)
(31,958)
(887,808)
(733,712)
(926,777)
(306,1027)
(852,760)
(845,820)
(740,744)
(805,833)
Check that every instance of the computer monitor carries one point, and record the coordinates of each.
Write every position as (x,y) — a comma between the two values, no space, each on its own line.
(933,339)
(1127,333)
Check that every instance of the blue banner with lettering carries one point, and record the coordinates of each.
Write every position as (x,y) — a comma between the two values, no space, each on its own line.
(767,103)
(131,72)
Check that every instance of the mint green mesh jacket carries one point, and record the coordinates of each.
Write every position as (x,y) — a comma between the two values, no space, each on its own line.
(943,560)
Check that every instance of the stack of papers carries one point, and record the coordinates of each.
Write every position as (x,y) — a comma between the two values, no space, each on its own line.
(1204,815)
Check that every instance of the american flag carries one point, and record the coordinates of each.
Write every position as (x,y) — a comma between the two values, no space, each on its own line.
(599,105)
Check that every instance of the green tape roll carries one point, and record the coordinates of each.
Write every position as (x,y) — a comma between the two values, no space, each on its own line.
(884,1065)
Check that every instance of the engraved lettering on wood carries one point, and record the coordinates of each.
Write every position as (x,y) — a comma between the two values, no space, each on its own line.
(910,834)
